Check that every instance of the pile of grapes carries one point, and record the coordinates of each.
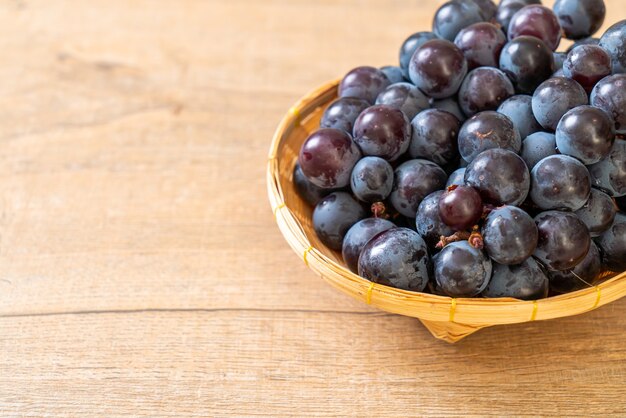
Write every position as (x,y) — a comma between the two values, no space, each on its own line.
(485,164)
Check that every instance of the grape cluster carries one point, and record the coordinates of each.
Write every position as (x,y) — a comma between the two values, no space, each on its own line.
(486,163)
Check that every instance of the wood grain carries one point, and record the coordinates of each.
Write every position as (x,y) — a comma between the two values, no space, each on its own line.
(141,272)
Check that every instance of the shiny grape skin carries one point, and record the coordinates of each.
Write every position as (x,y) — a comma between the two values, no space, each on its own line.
(327,158)
(538,146)
(434,136)
(382,131)
(414,180)
(613,244)
(519,109)
(364,83)
(585,41)
(610,173)
(586,133)
(528,62)
(359,235)
(487,130)
(460,208)
(455,15)
(397,257)
(570,280)
(450,105)
(481,44)
(587,64)
(307,190)
(393,73)
(538,21)
(404,96)
(614,42)
(483,89)
(506,12)
(457,177)
(342,113)
(559,59)
(438,68)
(560,182)
(580,18)
(461,270)
(500,176)
(610,95)
(372,179)
(334,215)
(525,281)
(597,213)
(428,222)
(488,9)
(554,97)
(510,235)
(563,240)
(409,46)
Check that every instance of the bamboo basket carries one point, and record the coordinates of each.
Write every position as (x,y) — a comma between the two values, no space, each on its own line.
(449,319)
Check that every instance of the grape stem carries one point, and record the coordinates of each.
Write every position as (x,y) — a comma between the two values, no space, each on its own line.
(379,210)
(474,238)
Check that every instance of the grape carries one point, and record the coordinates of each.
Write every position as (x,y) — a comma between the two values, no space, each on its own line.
(404,96)
(538,21)
(438,68)
(597,213)
(519,109)
(393,73)
(414,180)
(528,62)
(481,44)
(428,222)
(587,64)
(610,173)
(613,244)
(342,113)
(435,136)
(488,9)
(559,59)
(585,41)
(614,42)
(372,179)
(487,130)
(563,240)
(364,83)
(382,131)
(333,216)
(586,133)
(307,190)
(409,46)
(327,158)
(526,281)
(359,235)
(509,235)
(455,15)
(460,207)
(397,257)
(560,182)
(457,177)
(461,270)
(610,95)
(483,89)
(554,97)
(450,105)
(505,13)
(558,73)
(536,147)
(580,18)
(500,176)
(581,276)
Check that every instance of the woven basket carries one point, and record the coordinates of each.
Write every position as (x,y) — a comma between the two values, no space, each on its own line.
(449,319)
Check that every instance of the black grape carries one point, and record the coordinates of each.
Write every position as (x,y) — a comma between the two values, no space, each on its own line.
(614,42)
(528,62)
(610,95)
(457,177)
(414,180)
(342,113)
(610,173)
(554,97)
(372,179)
(483,89)
(510,235)
(334,215)
(382,131)
(538,21)
(538,146)
(586,133)
(364,83)
(587,64)
(449,105)
(428,222)
(460,207)
(409,46)
(481,44)
(438,68)
(526,281)
(583,275)
(560,182)
(455,15)
(584,41)
(613,244)
(597,213)
(307,190)
(461,270)
(580,18)
(393,73)
(359,235)
(487,130)
(434,136)
(563,240)
(559,59)
(519,109)
(404,96)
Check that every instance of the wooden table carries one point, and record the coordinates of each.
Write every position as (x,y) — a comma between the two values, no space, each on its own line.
(141,272)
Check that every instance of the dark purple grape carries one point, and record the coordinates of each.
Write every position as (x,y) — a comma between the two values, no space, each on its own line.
(554,97)
(393,73)
(506,12)
(536,147)
(587,64)
(610,95)
(404,96)
(500,176)
(327,158)
(519,109)
(382,131)
(481,43)
(462,271)
(526,281)
(428,222)
(397,257)
(559,59)
(586,133)
(364,83)
(580,18)
(613,244)
(487,130)
(372,179)
(585,41)
(583,275)
(614,42)
(528,62)
(563,240)
(560,182)
(307,190)
(455,15)
(342,113)
(449,105)
(610,173)
(488,9)
(438,68)
(597,213)
(483,89)
(460,207)
(509,235)
(456,178)
(414,180)
(359,235)
(409,46)
(504,3)
(333,216)
(538,21)
(434,136)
